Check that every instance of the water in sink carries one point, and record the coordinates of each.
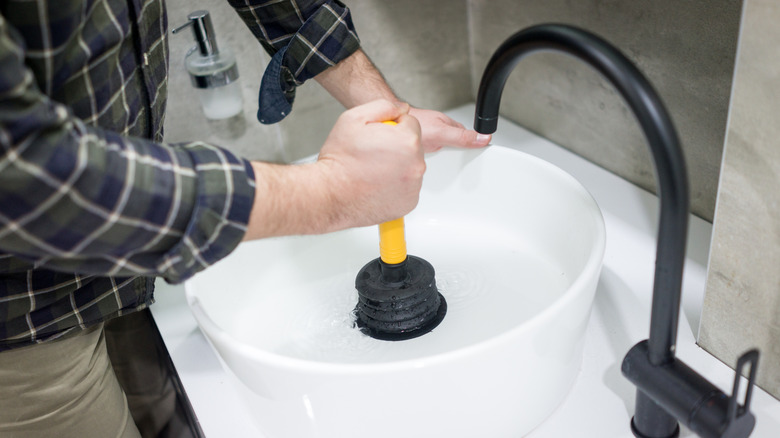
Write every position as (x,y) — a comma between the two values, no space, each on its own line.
(491,283)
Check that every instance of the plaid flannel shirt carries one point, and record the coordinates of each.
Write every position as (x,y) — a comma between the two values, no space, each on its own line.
(92,204)
(324,36)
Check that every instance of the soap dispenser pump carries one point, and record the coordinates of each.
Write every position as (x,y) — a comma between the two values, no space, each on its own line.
(214,74)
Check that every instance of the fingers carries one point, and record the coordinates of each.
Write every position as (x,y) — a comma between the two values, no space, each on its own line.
(463,138)
(438,131)
(406,134)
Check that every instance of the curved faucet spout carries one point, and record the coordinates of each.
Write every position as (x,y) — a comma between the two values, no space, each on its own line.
(651,364)
(661,137)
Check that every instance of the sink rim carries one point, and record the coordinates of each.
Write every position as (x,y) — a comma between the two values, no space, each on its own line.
(293,364)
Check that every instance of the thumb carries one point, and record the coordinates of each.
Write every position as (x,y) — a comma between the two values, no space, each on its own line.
(382,110)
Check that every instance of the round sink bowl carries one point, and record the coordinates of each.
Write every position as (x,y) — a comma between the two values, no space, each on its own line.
(517,245)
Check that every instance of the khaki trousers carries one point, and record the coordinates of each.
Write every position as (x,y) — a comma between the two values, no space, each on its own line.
(64,388)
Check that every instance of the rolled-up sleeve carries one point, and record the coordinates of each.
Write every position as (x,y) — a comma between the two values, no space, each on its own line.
(304,37)
(80,199)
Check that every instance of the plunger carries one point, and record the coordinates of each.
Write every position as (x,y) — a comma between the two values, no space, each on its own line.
(397,294)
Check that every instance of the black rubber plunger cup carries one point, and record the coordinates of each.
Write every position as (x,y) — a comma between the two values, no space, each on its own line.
(397,301)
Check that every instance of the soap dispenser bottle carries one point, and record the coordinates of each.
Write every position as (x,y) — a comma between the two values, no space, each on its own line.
(214,74)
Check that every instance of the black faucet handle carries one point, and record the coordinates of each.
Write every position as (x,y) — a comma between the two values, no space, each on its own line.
(690,398)
(739,420)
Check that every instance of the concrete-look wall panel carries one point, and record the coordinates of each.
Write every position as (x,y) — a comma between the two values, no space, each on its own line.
(686,49)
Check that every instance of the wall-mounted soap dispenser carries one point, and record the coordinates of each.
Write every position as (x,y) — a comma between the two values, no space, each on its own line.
(214,74)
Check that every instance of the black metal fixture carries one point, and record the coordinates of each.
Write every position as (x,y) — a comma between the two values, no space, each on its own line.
(668,391)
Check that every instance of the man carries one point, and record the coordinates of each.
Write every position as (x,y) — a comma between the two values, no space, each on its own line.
(93,205)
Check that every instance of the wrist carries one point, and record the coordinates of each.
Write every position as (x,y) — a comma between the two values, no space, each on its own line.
(355,81)
(292,200)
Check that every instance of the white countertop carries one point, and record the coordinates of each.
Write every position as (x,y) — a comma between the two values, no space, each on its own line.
(601,402)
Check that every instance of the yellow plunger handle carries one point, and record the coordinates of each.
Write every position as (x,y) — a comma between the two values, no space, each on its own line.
(392,241)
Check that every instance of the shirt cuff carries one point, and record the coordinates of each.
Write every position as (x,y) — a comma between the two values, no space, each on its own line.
(225,195)
(325,38)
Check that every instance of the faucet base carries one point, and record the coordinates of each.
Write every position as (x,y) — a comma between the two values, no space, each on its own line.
(638,434)
(672,391)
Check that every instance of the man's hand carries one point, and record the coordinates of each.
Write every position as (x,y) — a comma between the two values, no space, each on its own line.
(355,80)
(368,172)
(377,169)
(438,131)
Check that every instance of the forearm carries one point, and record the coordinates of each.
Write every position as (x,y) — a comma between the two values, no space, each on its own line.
(290,200)
(355,81)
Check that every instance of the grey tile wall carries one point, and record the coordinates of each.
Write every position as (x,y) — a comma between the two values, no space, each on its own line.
(742,300)
(686,49)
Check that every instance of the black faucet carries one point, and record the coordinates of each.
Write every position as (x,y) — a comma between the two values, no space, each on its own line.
(668,391)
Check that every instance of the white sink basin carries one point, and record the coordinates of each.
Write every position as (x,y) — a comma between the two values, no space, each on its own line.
(517,245)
